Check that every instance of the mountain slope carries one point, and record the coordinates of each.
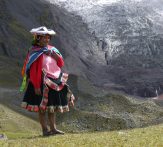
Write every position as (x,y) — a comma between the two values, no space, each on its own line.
(22,131)
(127,37)
(151,136)
(93,113)
(15,125)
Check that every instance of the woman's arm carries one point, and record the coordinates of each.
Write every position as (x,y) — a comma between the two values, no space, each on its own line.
(36,74)
(58,58)
(54,52)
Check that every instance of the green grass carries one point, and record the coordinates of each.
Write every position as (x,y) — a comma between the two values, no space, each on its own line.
(22,131)
(16,126)
(149,137)
(80,124)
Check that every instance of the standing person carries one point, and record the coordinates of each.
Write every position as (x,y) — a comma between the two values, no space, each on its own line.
(46,90)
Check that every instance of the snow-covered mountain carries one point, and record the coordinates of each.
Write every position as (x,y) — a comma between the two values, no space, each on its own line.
(109,19)
(128,34)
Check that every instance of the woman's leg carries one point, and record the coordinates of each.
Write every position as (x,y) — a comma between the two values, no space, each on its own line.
(52,120)
(42,119)
(52,123)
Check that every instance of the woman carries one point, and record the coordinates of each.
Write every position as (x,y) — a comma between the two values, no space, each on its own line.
(46,90)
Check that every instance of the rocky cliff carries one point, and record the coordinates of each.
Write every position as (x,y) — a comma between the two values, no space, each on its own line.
(128,43)
(116,45)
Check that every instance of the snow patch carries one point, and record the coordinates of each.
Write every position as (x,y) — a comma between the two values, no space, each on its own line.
(77,5)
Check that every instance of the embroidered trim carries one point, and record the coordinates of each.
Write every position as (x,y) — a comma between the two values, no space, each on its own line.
(33,108)
(24,105)
(51,109)
(53,85)
(61,109)
(44,98)
(60,82)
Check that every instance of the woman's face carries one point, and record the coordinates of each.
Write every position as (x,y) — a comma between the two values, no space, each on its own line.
(44,40)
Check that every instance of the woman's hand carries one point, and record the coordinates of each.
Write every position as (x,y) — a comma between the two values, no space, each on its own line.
(37,91)
(55,56)
(48,52)
(52,54)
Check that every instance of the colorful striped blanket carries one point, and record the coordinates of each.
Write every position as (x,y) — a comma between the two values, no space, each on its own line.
(37,52)
(32,56)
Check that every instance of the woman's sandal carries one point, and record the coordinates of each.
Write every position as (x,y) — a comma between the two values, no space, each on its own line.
(46,133)
(56,132)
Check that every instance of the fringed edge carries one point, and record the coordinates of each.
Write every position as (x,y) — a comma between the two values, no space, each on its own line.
(32,108)
(53,85)
(44,101)
(51,109)
(61,109)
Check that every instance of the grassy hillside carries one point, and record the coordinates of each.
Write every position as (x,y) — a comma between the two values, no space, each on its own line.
(15,125)
(89,124)
(23,131)
(82,127)
(151,136)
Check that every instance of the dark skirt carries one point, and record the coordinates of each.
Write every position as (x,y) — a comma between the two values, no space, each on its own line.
(50,100)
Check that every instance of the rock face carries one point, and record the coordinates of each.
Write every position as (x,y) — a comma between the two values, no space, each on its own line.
(16,20)
(128,43)
(116,45)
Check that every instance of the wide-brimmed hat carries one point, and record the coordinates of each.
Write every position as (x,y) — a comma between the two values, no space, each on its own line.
(42,31)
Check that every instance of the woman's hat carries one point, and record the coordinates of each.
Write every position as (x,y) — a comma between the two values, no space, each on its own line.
(42,31)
